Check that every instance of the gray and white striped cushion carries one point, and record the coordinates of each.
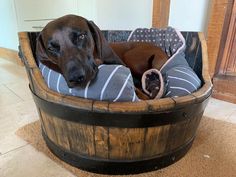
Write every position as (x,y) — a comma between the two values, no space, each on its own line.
(181,81)
(113,83)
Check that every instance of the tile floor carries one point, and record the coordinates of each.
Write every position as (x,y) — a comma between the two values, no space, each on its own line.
(17,109)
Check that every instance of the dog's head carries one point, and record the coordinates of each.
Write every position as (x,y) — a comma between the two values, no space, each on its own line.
(74,46)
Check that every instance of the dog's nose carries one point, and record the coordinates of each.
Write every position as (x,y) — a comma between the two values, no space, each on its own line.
(76,77)
(75,73)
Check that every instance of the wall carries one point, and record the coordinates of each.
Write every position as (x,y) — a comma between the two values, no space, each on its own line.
(123,14)
(87,9)
(185,15)
(8,31)
(189,15)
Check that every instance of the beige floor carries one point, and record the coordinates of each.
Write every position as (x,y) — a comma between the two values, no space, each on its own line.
(17,157)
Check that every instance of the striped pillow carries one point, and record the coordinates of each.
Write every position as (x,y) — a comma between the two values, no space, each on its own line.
(181,81)
(113,83)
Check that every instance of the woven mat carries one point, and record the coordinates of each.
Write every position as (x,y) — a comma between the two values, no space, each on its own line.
(213,153)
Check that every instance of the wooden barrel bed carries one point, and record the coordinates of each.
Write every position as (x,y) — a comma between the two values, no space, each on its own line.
(121,137)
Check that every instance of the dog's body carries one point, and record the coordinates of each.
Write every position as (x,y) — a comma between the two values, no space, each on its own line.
(75,47)
(140,56)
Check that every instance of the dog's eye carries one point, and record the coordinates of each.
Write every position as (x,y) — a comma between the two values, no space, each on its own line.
(82,36)
(53,47)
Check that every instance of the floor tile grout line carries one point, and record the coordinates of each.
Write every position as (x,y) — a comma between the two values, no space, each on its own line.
(231,115)
(14,149)
(13,92)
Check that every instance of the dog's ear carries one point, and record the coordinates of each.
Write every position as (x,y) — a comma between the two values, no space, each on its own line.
(42,56)
(103,50)
(41,51)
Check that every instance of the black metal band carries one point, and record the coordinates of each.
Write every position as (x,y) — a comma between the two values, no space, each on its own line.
(115,167)
(121,120)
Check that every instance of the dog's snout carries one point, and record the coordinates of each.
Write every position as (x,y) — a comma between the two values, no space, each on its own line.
(75,73)
(76,77)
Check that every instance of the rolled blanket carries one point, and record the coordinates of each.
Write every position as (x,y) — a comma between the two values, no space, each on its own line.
(113,83)
(153,84)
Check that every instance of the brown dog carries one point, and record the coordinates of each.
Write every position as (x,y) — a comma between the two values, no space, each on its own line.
(71,45)
(75,47)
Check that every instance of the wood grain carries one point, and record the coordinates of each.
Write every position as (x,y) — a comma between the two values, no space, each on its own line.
(101,137)
(160,15)
(81,138)
(176,136)
(47,126)
(224,79)
(228,61)
(225,88)
(156,140)
(75,137)
(126,143)
(220,10)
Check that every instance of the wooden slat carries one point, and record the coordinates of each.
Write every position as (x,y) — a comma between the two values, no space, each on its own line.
(192,126)
(205,59)
(61,131)
(176,136)
(26,49)
(101,138)
(126,143)
(80,137)
(101,106)
(75,137)
(155,140)
(161,105)
(184,100)
(203,92)
(140,106)
(160,15)
(48,127)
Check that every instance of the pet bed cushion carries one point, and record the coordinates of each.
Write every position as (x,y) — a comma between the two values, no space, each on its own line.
(113,83)
(178,77)
(181,81)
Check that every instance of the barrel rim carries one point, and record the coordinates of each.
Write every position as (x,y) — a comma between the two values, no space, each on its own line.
(164,104)
(119,119)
